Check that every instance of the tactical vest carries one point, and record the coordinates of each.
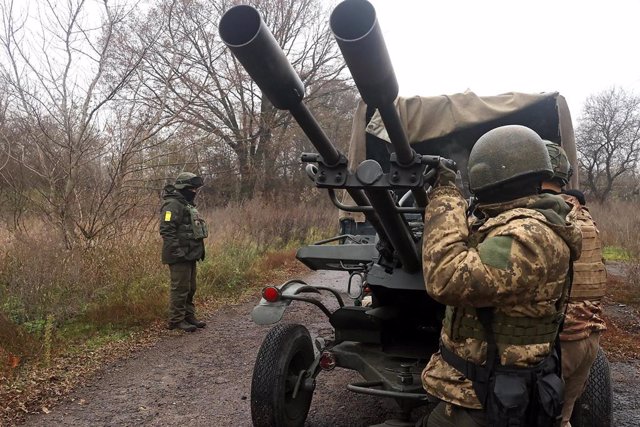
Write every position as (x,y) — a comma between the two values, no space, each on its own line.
(511,396)
(463,322)
(589,274)
(197,230)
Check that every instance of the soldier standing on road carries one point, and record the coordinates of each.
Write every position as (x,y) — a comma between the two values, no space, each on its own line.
(183,231)
(502,278)
(580,337)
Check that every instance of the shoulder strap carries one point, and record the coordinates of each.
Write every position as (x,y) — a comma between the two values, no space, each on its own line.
(478,374)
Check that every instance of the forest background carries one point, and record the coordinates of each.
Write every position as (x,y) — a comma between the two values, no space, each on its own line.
(96,119)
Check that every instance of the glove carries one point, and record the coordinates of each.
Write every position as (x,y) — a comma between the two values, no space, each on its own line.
(445,175)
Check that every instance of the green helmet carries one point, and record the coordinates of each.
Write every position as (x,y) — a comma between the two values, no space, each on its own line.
(562,170)
(188,180)
(506,154)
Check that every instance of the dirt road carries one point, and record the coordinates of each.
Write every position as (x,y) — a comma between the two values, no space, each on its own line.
(204,379)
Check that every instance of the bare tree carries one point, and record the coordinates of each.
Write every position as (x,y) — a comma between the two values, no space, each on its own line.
(608,139)
(79,136)
(211,92)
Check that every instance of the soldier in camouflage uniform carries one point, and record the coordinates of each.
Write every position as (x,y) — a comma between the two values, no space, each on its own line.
(183,231)
(580,337)
(512,258)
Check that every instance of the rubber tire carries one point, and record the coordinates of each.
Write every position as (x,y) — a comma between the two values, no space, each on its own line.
(594,408)
(285,351)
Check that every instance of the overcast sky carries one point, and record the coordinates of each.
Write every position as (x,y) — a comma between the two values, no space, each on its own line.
(577,48)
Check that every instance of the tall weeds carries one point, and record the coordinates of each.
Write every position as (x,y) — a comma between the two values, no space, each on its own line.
(46,289)
(619,224)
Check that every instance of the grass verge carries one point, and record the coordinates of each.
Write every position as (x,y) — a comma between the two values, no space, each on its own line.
(614,253)
(64,313)
(36,385)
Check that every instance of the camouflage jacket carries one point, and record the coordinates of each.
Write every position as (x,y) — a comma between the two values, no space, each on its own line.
(584,312)
(516,260)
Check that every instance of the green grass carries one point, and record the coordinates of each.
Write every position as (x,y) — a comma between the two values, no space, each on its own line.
(614,253)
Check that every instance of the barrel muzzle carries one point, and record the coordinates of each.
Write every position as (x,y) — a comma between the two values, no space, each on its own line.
(357,32)
(245,33)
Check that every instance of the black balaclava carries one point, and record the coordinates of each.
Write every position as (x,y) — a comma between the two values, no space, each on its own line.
(188,194)
(527,186)
(578,195)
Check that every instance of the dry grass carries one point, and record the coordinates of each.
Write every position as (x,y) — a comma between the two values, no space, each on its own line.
(123,286)
(619,224)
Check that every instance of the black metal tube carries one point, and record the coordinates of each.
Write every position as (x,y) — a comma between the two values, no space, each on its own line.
(420,196)
(396,229)
(316,135)
(356,29)
(404,153)
(315,302)
(334,292)
(361,199)
(245,33)
(365,209)
(367,388)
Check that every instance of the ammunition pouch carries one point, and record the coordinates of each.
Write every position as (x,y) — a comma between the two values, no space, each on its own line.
(515,396)
(589,272)
(589,281)
(199,228)
(462,322)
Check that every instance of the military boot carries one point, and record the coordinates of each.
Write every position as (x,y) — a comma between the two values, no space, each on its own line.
(184,325)
(195,322)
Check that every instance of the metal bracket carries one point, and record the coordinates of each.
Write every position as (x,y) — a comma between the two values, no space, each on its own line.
(406,175)
(332,175)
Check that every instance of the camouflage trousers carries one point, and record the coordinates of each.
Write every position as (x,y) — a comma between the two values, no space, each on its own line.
(577,358)
(448,415)
(183,287)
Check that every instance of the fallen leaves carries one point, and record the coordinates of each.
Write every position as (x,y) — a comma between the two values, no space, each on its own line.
(8,359)
(32,389)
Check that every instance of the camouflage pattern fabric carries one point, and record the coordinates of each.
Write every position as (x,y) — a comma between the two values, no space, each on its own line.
(584,313)
(515,260)
(446,415)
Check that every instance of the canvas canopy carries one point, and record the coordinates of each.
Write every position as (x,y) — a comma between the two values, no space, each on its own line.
(449,125)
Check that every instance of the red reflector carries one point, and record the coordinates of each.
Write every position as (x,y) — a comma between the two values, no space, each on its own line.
(271,294)
(327,360)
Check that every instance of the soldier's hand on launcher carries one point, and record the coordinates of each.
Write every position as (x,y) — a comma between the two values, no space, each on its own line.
(445,175)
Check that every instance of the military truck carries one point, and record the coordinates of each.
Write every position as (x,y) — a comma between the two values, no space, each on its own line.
(380,191)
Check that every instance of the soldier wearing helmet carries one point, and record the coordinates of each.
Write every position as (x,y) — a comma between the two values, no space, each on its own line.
(501,274)
(183,231)
(580,337)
